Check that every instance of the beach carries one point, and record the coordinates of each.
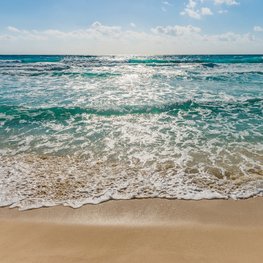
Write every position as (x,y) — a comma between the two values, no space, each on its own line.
(131,131)
(152,230)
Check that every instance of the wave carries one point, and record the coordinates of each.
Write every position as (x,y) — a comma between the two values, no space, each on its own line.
(16,113)
(3,61)
(86,74)
(58,72)
(29,58)
(167,61)
(207,60)
(43,181)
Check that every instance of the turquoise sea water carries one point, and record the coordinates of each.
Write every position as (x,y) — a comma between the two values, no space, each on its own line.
(85,129)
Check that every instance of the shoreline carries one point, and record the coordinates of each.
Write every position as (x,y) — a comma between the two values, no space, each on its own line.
(31,181)
(157,211)
(152,230)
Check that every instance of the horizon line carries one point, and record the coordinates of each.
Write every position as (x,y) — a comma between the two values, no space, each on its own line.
(120,55)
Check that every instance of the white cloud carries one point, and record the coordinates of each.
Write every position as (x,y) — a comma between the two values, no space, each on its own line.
(132,25)
(226,2)
(99,28)
(196,8)
(176,30)
(12,29)
(258,29)
(205,11)
(193,11)
(167,3)
(191,4)
(233,37)
(100,39)
(190,10)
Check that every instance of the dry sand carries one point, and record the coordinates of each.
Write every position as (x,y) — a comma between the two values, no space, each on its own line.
(135,231)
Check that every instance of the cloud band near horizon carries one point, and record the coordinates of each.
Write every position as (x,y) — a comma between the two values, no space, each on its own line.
(100,39)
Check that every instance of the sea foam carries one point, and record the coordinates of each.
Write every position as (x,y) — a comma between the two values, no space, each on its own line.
(86,129)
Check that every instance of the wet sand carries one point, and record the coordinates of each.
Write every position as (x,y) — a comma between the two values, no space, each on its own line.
(151,230)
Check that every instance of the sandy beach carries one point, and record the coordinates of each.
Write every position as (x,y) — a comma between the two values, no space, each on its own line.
(131,131)
(151,230)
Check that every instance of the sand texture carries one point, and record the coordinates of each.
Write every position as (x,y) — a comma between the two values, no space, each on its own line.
(151,230)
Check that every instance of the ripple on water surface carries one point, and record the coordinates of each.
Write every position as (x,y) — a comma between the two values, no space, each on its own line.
(86,129)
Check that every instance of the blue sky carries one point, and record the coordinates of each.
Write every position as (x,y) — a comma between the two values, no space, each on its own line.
(131,26)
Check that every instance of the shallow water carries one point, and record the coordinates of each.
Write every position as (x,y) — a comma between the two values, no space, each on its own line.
(85,129)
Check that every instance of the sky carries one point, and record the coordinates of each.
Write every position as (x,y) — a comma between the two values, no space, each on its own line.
(143,27)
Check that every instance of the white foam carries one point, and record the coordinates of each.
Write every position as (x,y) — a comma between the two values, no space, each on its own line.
(31,181)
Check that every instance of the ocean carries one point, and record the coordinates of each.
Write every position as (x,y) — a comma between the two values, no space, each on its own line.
(78,130)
